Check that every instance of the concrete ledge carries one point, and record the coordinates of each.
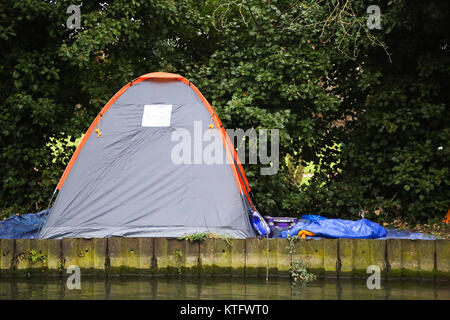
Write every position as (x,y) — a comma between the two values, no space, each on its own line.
(423,259)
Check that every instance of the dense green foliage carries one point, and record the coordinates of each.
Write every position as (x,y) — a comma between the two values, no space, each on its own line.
(368,107)
(395,157)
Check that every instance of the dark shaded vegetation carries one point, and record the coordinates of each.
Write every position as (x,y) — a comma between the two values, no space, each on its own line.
(309,68)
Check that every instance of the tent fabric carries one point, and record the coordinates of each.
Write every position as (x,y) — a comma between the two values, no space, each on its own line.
(238,170)
(25,226)
(125,184)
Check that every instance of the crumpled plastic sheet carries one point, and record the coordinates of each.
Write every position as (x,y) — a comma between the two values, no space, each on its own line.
(25,226)
(339,228)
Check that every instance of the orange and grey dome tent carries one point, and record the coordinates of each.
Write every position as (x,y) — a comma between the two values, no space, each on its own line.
(122,180)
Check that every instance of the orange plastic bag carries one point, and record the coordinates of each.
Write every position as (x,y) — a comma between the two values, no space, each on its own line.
(304,233)
(446,220)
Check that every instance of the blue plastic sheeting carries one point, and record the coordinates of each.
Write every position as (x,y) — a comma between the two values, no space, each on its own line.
(25,226)
(313,217)
(259,224)
(404,234)
(336,228)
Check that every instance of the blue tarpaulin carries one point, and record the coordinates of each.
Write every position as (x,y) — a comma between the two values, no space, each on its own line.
(25,226)
(336,228)
(339,228)
(404,234)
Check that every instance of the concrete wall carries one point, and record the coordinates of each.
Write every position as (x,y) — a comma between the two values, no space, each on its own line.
(251,257)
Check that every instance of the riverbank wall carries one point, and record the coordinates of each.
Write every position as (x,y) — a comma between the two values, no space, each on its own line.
(334,258)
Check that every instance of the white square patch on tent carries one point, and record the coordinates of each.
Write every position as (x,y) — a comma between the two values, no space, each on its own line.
(157,115)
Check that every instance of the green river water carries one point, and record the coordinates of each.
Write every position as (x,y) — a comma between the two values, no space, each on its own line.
(217,288)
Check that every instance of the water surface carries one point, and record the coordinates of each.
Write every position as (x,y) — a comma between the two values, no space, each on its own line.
(216,288)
